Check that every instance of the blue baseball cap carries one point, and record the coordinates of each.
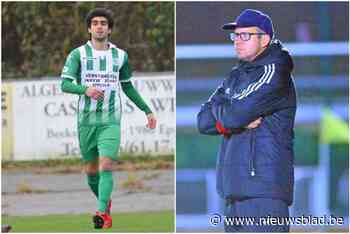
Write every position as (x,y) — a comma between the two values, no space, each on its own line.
(252,18)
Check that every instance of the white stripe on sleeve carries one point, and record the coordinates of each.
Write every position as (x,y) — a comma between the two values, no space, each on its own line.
(268,72)
(273,71)
(251,86)
(68,76)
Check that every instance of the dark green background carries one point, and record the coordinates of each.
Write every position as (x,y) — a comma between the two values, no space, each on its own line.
(37,36)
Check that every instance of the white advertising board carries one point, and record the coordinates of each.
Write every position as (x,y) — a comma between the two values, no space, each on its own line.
(45,124)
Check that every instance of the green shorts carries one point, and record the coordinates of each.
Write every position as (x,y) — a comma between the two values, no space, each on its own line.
(98,141)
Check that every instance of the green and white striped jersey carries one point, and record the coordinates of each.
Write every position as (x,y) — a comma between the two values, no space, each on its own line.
(103,69)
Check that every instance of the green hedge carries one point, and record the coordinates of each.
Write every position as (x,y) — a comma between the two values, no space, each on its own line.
(37,36)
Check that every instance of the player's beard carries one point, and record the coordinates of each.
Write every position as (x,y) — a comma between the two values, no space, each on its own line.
(101,37)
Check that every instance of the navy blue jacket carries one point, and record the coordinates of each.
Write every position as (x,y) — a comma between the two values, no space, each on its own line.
(255,162)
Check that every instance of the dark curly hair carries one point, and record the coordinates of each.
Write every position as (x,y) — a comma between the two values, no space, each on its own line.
(100,12)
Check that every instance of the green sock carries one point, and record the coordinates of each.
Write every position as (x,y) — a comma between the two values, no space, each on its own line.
(93,181)
(105,189)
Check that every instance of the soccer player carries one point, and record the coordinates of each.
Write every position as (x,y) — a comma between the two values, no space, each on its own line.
(95,71)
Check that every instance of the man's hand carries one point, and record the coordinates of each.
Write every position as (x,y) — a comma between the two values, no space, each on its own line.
(94,93)
(255,123)
(222,130)
(152,121)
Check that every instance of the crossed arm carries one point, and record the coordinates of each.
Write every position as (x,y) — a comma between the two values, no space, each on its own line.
(208,124)
(223,113)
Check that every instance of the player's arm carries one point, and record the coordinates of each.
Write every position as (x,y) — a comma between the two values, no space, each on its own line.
(125,74)
(264,97)
(70,74)
(135,97)
(68,86)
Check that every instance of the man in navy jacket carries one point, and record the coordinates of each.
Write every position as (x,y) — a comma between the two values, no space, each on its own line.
(254,110)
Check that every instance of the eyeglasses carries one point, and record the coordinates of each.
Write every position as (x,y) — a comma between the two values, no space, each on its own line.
(244,36)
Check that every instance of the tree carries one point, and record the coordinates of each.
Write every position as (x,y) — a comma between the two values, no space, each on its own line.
(37,36)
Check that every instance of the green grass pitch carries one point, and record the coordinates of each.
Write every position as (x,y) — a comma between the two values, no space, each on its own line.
(161,221)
